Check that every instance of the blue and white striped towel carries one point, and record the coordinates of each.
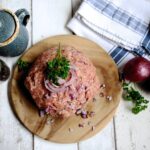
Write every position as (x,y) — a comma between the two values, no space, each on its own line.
(121,27)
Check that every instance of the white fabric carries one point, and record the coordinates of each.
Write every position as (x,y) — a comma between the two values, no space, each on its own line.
(139,8)
(107,27)
(82,30)
(99,28)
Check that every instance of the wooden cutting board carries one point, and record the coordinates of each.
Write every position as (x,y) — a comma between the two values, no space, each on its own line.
(58,131)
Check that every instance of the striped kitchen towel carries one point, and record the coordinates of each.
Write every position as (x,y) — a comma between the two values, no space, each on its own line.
(121,27)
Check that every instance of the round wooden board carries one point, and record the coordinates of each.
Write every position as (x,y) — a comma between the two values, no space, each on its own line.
(27,112)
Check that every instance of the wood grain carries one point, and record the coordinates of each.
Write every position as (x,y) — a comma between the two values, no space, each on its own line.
(12,133)
(99,141)
(58,132)
(44,25)
(135,134)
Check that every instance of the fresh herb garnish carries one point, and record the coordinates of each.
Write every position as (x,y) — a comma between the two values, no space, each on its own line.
(23,65)
(57,68)
(130,94)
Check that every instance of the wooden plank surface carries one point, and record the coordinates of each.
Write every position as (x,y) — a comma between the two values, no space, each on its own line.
(104,110)
(99,141)
(12,134)
(132,131)
(49,18)
(104,140)
(41,144)
(75,4)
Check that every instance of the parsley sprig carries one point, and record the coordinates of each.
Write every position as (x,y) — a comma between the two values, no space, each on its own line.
(130,94)
(58,67)
(23,65)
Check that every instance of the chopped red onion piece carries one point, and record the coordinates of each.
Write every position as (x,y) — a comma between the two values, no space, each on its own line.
(41,113)
(61,81)
(78,112)
(55,89)
(81,125)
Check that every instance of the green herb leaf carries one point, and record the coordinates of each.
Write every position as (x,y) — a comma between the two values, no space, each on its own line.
(58,67)
(130,94)
(23,65)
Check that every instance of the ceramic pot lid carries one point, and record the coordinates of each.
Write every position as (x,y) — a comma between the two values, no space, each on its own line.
(7,25)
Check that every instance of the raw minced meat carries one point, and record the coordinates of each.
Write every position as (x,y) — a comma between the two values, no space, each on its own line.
(66,99)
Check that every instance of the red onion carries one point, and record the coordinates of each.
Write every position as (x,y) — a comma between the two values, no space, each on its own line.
(81,89)
(72,96)
(137,69)
(47,96)
(72,78)
(47,109)
(61,81)
(73,67)
(55,89)
(41,113)
(51,87)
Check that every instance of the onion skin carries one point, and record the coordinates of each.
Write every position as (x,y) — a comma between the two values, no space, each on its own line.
(137,69)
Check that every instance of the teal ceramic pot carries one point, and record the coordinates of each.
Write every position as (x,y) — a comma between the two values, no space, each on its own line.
(13,33)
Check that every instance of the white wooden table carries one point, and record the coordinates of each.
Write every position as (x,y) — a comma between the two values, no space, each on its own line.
(125,132)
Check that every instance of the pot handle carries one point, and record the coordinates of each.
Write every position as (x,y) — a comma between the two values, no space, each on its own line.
(23,16)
